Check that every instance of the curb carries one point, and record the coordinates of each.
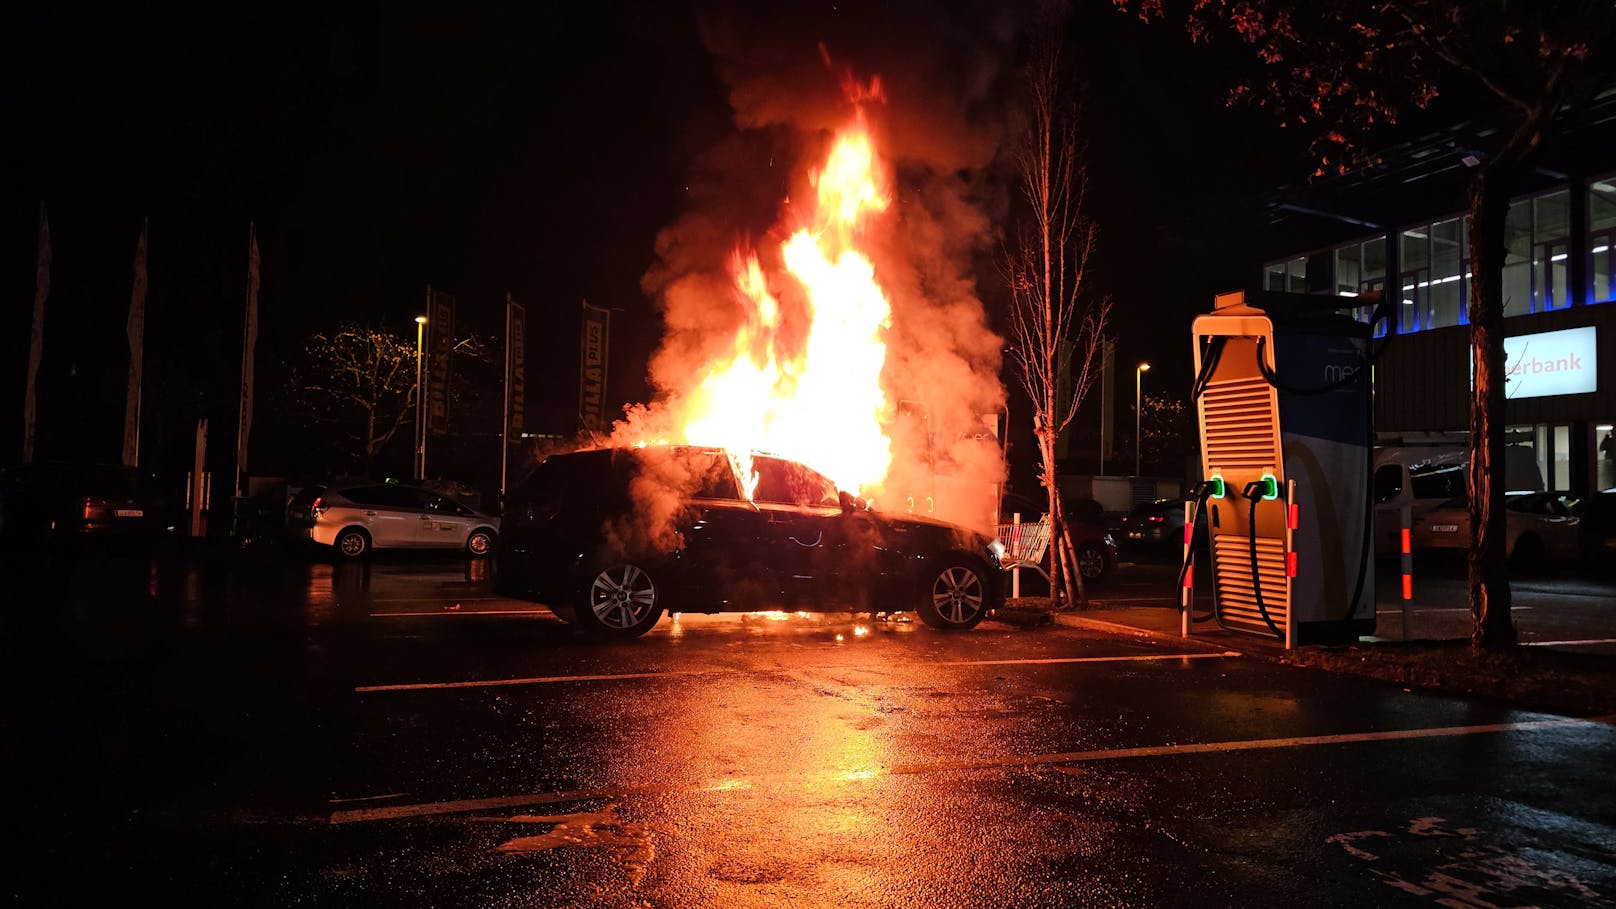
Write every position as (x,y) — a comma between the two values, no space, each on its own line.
(1076,621)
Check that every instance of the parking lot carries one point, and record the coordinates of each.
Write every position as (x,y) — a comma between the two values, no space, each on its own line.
(291,731)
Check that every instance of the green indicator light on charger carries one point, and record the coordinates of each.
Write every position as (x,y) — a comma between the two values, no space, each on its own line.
(1218,489)
(1270,486)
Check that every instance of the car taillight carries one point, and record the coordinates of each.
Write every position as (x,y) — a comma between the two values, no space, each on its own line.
(1155,519)
(318,508)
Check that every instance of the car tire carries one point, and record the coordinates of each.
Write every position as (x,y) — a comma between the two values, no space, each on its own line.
(956,596)
(352,543)
(481,543)
(620,600)
(1092,563)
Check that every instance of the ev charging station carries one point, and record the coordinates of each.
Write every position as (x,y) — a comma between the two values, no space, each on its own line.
(1284,398)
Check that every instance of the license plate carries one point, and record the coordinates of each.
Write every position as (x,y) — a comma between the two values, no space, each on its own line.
(130,513)
(1444,528)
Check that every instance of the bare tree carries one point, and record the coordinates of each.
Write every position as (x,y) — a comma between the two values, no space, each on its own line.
(360,382)
(1056,324)
(1344,69)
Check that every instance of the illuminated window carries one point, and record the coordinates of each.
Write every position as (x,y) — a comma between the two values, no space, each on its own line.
(1602,239)
(1551,266)
(1518,259)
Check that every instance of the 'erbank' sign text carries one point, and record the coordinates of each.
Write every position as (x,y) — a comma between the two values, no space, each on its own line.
(1551,363)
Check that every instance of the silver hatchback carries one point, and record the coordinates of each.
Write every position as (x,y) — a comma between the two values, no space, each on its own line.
(353,520)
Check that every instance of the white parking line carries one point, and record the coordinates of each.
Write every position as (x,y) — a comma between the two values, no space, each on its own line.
(1074,757)
(1569,643)
(675,673)
(395,812)
(458,612)
(442,597)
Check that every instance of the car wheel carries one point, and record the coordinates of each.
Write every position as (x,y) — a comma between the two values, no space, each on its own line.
(957,597)
(480,543)
(352,543)
(620,601)
(1092,562)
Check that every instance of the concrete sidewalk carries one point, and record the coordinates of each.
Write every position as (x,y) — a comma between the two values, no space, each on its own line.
(1543,624)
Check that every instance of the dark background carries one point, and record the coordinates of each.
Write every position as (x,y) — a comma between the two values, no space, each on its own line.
(536,150)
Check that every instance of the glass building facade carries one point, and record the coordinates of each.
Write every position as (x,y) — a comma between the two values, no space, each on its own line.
(1432,261)
(1426,266)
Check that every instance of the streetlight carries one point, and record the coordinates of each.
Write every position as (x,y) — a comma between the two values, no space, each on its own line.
(1138,375)
(420,408)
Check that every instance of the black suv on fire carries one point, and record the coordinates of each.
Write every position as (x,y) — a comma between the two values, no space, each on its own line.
(612,538)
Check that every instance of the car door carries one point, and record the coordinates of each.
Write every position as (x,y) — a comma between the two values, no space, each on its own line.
(398,514)
(725,560)
(444,523)
(800,509)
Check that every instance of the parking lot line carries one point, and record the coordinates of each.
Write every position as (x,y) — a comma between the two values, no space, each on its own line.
(675,673)
(458,612)
(1569,643)
(1077,757)
(397,812)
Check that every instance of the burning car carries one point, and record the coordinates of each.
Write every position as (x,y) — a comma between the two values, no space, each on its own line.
(612,538)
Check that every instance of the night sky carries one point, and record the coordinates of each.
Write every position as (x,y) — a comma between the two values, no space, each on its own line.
(537,150)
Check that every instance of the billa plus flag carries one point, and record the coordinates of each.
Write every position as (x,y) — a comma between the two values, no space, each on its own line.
(596,341)
(249,341)
(136,329)
(36,338)
(439,348)
(516,368)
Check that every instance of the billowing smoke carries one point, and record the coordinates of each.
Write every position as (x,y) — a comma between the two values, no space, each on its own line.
(940,126)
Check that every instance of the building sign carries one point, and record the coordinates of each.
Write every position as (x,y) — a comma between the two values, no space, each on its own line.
(1551,363)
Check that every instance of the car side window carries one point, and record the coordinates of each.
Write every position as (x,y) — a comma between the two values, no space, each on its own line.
(1388,482)
(365,495)
(444,505)
(789,483)
(1443,483)
(388,497)
(716,478)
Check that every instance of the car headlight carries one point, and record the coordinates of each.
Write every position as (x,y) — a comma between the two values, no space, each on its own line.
(996,548)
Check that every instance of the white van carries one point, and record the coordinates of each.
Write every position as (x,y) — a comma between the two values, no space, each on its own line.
(1423,476)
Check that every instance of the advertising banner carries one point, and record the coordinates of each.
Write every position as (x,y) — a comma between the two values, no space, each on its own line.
(439,348)
(596,339)
(517,364)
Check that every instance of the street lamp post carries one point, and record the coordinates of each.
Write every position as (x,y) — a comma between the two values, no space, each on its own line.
(420,404)
(1138,375)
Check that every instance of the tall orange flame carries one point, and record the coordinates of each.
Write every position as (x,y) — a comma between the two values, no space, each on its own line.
(819,402)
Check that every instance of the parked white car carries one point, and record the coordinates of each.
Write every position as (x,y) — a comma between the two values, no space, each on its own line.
(1539,526)
(353,520)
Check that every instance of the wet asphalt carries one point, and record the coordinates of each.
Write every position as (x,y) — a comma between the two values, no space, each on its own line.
(276,730)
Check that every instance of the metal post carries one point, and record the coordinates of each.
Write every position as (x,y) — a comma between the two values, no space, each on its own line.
(1406,513)
(1138,413)
(420,395)
(1292,511)
(505,426)
(1186,596)
(1015,540)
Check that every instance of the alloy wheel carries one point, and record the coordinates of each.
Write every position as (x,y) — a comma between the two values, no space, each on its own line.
(622,596)
(957,595)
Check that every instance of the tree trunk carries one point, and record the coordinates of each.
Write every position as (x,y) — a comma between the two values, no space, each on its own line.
(1489,581)
(1046,453)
